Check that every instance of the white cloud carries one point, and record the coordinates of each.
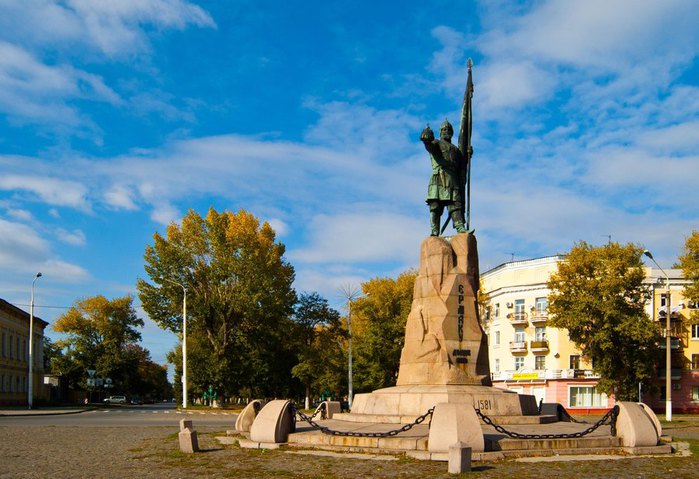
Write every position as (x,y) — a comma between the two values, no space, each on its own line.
(23,250)
(20,214)
(164,213)
(112,28)
(361,237)
(609,34)
(36,90)
(120,197)
(52,191)
(31,91)
(280,227)
(75,237)
(515,84)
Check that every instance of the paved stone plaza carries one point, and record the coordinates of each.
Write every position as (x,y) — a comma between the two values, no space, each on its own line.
(152,452)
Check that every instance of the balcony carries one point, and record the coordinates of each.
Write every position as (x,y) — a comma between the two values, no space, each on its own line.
(518,346)
(538,316)
(539,346)
(518,318)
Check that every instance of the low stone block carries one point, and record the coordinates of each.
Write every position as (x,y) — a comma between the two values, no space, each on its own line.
(332,408)
(459,458)
(186,424)
(274,423)
(634,427)
(455,423)
(248,415)
(189,443)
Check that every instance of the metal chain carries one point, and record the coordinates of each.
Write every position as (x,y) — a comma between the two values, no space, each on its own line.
(611,415)
(394,432)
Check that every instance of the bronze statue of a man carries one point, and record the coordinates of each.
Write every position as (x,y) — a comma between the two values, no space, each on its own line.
(450,183)
(448,177)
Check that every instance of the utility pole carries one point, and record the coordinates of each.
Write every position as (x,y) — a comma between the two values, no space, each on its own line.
(349,293)
(30,393)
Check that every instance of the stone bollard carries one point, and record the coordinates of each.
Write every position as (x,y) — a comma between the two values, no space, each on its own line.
(459,458)
(188,437)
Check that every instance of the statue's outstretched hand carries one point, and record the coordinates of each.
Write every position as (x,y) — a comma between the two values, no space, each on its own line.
(427,135)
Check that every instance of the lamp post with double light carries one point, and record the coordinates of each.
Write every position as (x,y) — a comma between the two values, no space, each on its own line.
(184,341)
(30,389)
(668,344)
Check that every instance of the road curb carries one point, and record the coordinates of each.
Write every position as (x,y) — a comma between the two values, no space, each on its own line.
(52,413)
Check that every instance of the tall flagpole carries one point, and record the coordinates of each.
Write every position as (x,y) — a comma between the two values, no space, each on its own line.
(465,145)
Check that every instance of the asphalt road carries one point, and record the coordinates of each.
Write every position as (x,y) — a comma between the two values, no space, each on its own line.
(132,416)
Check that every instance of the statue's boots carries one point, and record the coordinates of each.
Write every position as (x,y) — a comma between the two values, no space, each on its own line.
(434,223)
(458,219)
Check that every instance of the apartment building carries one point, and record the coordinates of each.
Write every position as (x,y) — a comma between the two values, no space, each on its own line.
(529,356)
(14,355)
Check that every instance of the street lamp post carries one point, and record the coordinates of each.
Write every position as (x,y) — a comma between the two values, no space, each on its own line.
(184,342)
(30,390)
(350,293)
(668,344)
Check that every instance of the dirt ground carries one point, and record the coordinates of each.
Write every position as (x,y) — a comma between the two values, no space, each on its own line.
(153,452)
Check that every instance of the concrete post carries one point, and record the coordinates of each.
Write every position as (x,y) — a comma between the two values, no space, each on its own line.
(459,458)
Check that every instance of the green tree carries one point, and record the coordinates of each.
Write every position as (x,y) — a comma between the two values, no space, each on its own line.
(319,332)
(99,335)
(239,300)
(598,295)
(689,262)
(149,379)
(378,330)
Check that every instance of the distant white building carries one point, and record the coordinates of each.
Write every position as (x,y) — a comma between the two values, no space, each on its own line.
(529,356)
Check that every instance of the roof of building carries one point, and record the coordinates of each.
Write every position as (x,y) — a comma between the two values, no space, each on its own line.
(525,262)
(14,310)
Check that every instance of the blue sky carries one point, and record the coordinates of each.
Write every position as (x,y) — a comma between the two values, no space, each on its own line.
(117,117)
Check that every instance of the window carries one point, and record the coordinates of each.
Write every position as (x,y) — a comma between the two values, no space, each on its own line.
(497,310)
(519,335)
(497,338)
(3,348)
(695,331)
(519,363)
(24,350)
(2,383)
(12,340)
(540,334)
(17,353)
(540,305)
(695,393)
(497,365)
(695,361)
(539,362)
(11,388)
(519,308)
(487,313)
(574,361)
(586,396)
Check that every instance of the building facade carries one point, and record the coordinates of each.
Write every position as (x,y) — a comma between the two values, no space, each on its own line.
(14,355)
(531,357)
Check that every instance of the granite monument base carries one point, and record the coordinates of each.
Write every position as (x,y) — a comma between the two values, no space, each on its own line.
(403,404)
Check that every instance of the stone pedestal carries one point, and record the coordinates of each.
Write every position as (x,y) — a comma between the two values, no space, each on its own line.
(445,356)
(444,341)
